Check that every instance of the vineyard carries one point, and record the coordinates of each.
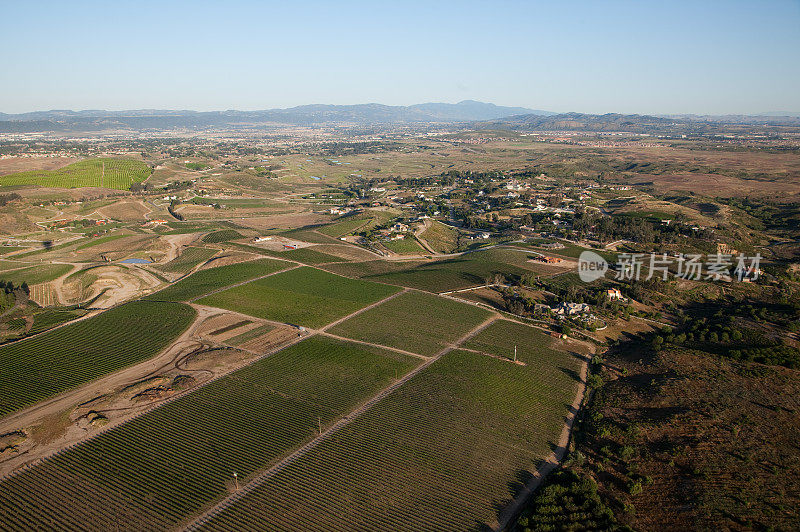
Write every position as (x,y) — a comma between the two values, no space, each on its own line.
(222,236)
(205,281)
(105,173)
(450,274)
(441,238)
(42,273)
(37,368)
(160,469)
(305,255)
(49,318)
(189,258)
(414,321)
(303,296)
(405,246)
(445,451)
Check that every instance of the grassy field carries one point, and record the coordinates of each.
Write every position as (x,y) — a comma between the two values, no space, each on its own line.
(105,172)
(205,281)
(36,274)
(40,367)
(159,469)
(464,271)
(441,238)
(417,322)
(303,296)
(443,452)
(189,258)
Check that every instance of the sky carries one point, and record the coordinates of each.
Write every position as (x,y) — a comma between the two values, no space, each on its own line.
(647,57)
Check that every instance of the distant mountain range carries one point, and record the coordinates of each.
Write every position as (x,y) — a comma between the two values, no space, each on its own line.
(467,113)
(372,113)
(654,125)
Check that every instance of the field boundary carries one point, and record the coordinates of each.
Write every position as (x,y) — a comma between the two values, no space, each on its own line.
(508,514)
(199,521)
(154,406)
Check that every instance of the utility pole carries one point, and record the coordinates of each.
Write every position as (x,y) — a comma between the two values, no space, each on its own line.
(319,421)
(236,480)
(515,353)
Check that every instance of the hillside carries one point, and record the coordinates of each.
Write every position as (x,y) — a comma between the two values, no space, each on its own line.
(371,113)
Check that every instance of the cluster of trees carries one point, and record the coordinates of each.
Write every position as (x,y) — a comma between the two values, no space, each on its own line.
(5,199)
(723,335)
(172,206)
(568,501)
(9,293)
(586,223)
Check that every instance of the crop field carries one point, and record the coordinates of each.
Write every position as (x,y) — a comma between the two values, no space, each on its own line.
(205,281)
(569,250)
(43,294)
(464,271)
(188,259)
(49,318)
(40,367)
(4,250)
(414,321)
(310,235)
(343,227)
(36,274)
(105,172)
(305,255)
(441,238)
(252,334)
(533,345)
(443,452)
(222,236)
(406,246)
(99,240)
(309,256)
(158,470)
(303,296)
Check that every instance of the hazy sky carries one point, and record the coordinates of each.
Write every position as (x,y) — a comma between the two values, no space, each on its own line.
(602,56)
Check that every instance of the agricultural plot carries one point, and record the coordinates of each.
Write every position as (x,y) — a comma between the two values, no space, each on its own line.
(252,334)
(309,256)
(205,281)
(303,296)
(49,318)
(414,321)
(304,255)
(470,269)
(36,274)
(445,451)
(569,250)
(310,235)
(343,227)
(43,294)
(104,172)
(441,238)
(405,246)
(98,241)
(187,260)
(4,250)
(222,236)
(160,469)
(37,368)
